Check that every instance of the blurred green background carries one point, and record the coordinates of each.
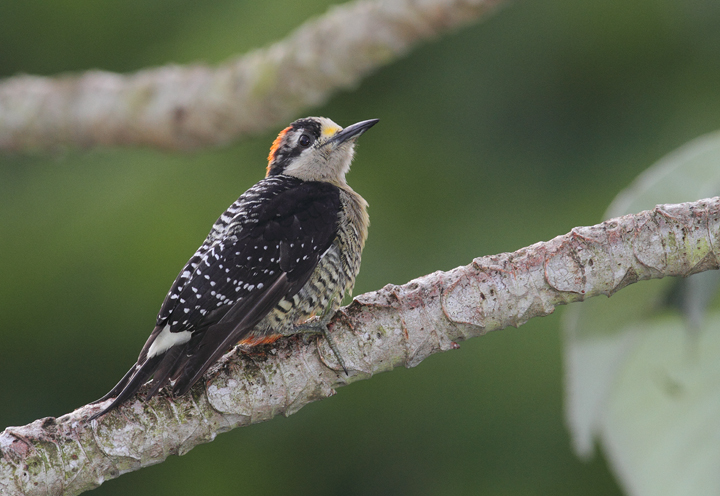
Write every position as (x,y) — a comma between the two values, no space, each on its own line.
(505,133)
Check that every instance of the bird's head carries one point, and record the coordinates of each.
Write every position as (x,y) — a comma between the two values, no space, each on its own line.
(315,149)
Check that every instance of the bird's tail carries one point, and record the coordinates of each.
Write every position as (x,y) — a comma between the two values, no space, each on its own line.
(129,385)
(161,367)
(118,387)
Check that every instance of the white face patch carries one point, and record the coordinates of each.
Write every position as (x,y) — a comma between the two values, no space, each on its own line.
(326,164)
(166,340)
(323,161)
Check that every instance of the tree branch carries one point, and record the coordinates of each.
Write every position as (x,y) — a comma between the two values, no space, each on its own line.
(186,107)
(397,325)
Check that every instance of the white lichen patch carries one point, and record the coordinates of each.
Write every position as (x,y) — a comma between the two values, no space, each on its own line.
(6,440)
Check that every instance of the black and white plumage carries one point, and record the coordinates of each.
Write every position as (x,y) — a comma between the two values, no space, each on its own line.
(288,249)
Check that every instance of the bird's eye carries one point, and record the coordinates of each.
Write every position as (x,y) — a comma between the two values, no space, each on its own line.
(304,140)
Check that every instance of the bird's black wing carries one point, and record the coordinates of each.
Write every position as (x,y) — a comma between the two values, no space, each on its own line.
(263,248)
(274,257)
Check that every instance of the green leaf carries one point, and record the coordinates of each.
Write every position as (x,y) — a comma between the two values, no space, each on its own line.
(661,424)
(640,370)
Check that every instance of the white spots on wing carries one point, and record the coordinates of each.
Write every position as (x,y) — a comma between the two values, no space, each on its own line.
(223,241)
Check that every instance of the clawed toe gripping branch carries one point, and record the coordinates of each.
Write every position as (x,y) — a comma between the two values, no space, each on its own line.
(320,326)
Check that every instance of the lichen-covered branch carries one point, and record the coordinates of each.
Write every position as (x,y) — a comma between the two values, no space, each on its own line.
(395,326)
(185,107)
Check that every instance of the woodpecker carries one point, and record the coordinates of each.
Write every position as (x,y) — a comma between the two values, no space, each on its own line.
(286,251)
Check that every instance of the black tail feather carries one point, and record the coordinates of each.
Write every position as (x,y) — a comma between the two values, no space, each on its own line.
(165,369)
(118,387)
(134,383)
(205,356)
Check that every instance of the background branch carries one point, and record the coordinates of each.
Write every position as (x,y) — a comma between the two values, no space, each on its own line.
(186,107)
(397,325)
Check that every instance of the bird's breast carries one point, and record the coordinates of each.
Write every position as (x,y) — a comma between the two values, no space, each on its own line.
(333,277)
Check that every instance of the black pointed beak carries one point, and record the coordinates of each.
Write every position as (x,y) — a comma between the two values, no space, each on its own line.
(351,132)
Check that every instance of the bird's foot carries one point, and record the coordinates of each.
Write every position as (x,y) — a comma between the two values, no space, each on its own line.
(320,326)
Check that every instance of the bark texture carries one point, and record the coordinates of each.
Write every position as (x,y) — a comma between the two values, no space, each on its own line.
(186,107)
(395,326)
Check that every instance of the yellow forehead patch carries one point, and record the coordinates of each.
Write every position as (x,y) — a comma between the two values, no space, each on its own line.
(330,130)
